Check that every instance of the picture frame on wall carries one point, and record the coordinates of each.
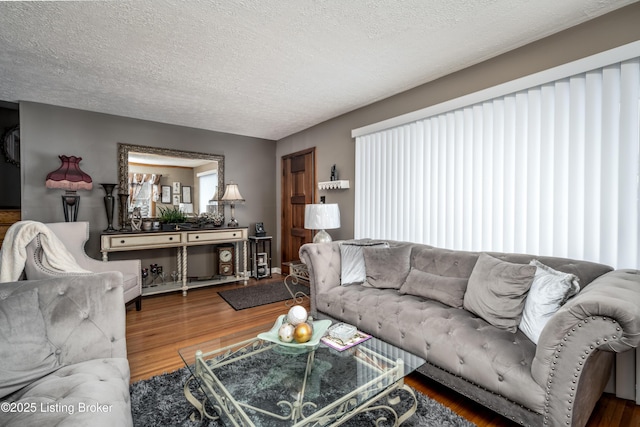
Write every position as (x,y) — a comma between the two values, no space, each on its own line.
(186,194)
(176,188)
(176,199)
(165,196)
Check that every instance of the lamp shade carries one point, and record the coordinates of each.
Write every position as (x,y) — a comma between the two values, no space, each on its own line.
(322,216)
(69,176)
(232,194)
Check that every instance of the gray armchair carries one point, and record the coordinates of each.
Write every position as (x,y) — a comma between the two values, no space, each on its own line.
(63,344)
(74,235)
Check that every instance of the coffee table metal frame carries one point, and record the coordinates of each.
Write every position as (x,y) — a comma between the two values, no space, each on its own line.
(390,379)
(298,272)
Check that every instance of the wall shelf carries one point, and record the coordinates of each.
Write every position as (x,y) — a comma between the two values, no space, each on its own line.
(334,185)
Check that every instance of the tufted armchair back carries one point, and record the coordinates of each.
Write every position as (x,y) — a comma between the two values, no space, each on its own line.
(74,236)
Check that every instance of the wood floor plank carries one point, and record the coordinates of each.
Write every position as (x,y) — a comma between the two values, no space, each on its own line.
(169,322)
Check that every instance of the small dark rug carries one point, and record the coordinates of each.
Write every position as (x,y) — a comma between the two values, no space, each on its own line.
(160,401)
(260,294)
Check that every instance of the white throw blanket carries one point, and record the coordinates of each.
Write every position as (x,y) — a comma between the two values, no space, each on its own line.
(14,250)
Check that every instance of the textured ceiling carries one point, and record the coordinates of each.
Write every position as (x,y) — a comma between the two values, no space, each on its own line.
(259,68)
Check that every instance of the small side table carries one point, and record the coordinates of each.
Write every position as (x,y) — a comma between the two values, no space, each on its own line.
(260,255)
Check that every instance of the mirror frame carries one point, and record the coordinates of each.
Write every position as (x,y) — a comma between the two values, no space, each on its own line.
(123,163)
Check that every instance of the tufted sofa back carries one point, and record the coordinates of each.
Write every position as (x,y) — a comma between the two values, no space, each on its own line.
(84,315)
(586,271)
(452,263)
(323,262)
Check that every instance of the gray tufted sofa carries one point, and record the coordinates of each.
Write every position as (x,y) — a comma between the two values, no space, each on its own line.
(556,383)
(80,376)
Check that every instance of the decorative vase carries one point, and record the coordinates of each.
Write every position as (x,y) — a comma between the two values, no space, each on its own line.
(109,204)
(123,210)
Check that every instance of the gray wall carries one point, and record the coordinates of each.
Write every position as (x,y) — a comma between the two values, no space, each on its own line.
(332,138)
(48,131)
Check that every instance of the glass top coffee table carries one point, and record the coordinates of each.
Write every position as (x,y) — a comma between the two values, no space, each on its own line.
(255,382)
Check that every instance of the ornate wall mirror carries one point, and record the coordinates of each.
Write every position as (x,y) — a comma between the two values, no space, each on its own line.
(159,177)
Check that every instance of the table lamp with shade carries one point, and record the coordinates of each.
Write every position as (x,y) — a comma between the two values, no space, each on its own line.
(69,177)
(232,196)
(321,217)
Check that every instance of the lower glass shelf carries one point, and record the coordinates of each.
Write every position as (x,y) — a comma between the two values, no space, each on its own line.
(162,288)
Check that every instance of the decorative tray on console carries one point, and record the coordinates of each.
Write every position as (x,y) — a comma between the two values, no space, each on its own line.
(319,329)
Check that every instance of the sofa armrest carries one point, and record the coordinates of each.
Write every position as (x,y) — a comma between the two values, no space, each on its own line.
(604,316)
(614,297)
(129,267)
(323,263)
(84,314)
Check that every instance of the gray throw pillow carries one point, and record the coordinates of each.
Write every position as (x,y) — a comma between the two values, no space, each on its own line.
(387,267)
(497,290)
(447,290)
(25,353)
(352,268)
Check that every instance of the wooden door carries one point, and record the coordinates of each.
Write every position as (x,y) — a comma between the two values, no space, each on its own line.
(298,189)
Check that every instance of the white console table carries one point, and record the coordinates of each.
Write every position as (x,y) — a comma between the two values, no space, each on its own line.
(181,239)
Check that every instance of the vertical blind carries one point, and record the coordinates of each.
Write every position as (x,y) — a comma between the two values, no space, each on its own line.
(548,170)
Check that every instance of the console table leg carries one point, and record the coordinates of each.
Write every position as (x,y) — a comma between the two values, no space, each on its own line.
(236,259)
(179,265)
(184,271)
(244,261)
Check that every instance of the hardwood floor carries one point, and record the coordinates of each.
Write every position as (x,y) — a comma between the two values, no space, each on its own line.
(169,322)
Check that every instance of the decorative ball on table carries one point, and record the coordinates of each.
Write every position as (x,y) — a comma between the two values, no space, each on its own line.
(303,332)
(297,314)
(285,333)
(297,326)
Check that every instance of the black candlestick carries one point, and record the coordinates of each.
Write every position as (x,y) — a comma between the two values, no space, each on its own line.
(109,204)
(123,210)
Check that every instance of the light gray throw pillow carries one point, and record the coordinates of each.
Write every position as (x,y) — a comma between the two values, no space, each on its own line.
(25,353)
(549,291)
(352,268)
(447,290)
(497,290)
(387,267)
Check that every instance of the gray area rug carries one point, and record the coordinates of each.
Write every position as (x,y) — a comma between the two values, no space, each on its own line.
(160,401)
(260,294)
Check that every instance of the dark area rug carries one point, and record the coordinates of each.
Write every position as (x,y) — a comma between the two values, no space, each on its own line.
(260,294)
(160,401)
